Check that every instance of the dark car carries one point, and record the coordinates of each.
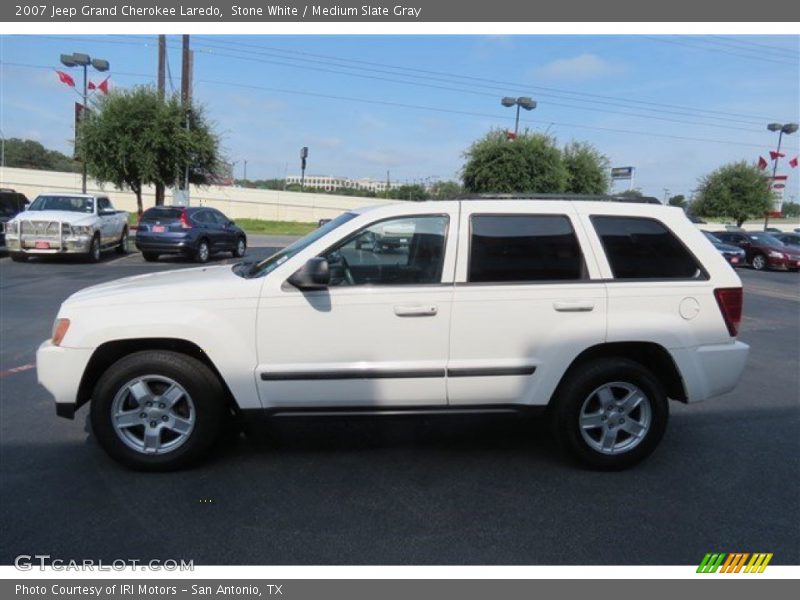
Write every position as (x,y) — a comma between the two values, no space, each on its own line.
(789,239)
(11,204)
(763,250)
(194,232)
(733,254)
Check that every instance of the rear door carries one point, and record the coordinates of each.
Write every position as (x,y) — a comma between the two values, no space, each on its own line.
(528,298)
(227,234)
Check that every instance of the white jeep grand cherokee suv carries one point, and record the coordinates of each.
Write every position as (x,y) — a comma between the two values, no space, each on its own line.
(596,312)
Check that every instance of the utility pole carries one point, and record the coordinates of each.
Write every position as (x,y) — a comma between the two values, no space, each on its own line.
(186,99)
(245,171)
(162,59)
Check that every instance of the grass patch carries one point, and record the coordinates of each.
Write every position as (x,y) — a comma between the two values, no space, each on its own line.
(258,226)
(275,227)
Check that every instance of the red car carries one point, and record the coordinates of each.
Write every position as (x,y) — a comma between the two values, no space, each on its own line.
(762,250)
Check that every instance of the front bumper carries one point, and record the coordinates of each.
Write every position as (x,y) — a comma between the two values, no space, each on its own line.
(65,245)
(711,370)
(60,371)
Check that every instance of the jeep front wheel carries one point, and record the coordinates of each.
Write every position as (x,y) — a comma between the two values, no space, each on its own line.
(157,410)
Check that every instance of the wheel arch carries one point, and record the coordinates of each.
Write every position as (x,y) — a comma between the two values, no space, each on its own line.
(654,357)
(108,353)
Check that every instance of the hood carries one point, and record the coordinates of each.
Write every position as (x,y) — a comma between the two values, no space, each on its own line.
(201,283)
(66,216)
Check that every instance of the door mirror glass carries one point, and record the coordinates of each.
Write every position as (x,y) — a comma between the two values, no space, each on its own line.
(314,275)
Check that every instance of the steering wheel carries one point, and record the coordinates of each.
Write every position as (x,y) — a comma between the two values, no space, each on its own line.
(338,259)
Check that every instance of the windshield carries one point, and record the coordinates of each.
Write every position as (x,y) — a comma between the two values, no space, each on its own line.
(714,239)
(273,262)
(764,239)
(69,203)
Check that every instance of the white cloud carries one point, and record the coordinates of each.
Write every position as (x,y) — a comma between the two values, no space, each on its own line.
(581,67)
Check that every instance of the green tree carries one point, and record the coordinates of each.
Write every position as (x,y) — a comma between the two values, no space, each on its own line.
(635,193)
(413,192)
(791,209)
(445,190)
(587,169)
(738,191)
(30,154)
(678,200)
(531,163)
(135,139)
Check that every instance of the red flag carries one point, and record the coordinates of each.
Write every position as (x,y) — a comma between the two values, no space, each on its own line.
(103,87)
(510,135)
(65,78)
(778,186)
(762,164)
(780,177)
(793,162)
(773,155)
(91,85)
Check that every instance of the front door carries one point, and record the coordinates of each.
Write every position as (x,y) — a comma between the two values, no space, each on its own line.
(378,336)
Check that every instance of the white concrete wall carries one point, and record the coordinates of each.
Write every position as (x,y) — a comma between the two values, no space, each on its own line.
(235,202)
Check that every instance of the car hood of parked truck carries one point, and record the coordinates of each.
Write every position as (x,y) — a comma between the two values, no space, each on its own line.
(201,283)
(64,216)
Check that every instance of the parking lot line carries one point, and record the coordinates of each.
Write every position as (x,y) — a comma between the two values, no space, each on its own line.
(15,370)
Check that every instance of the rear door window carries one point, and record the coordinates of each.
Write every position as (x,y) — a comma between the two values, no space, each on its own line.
(161,214)
(523,248)
(644,248)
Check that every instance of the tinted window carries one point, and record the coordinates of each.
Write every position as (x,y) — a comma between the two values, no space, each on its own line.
(103,204)
(219,217)
(404,251)
(523,248)
(203,216)
(161,214)
(639,248)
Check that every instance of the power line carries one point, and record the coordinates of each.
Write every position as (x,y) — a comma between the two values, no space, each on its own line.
(786,52)
(427,108)
(720,50)
(450,77)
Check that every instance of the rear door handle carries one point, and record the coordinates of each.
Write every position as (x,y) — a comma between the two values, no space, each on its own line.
(574,306)
(416,310)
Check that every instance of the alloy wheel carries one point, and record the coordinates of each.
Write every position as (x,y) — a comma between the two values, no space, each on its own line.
(615,418)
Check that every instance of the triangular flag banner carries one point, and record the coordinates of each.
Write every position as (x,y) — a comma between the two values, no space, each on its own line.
(91,85)
(780,177)
(773,154)
(793,162)
(65,78)
(103,87)
(779,186)
(762,163)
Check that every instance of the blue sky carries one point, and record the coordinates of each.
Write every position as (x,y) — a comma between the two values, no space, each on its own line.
(632,97)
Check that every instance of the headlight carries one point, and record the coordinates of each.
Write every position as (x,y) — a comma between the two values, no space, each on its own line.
(12,227)
(60,327)
(776,254)
(81,230)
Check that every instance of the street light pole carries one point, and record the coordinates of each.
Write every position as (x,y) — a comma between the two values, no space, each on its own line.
(83,116)
(521,102)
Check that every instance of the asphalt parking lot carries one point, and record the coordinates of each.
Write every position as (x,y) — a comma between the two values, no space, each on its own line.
(403,491)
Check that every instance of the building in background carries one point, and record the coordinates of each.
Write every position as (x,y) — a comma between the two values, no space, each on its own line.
(330,183)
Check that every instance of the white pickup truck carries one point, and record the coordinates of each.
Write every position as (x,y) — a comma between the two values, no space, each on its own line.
(67,224)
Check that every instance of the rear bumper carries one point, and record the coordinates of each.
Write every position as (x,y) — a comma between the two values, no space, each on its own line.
(164,245)
(60,371)
(712,370)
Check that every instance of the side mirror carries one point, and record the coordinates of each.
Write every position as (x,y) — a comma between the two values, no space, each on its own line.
(314,275)
(231,223)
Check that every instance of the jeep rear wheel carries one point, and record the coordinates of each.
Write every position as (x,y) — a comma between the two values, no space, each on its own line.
(157,410)
(611,413)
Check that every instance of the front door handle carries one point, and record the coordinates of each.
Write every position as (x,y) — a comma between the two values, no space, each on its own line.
(416,310)
(574,306)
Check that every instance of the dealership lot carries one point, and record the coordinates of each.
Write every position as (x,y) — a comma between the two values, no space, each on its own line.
(399,491)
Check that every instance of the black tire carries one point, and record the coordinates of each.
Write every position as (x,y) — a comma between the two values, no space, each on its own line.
(201,255)
(122,247)
(203,387)
(150,256)
(241,247)
(759,262)
(18,256)
(94,253)
(577,389)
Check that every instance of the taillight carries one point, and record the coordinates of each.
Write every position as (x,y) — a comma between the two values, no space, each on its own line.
(185,224)
(730,305)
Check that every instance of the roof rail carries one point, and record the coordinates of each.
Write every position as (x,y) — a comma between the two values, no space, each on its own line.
(580,197)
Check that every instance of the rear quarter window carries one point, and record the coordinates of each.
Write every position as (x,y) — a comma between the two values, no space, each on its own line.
(644,248)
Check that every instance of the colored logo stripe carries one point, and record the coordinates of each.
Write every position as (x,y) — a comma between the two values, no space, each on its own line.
(734,562)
